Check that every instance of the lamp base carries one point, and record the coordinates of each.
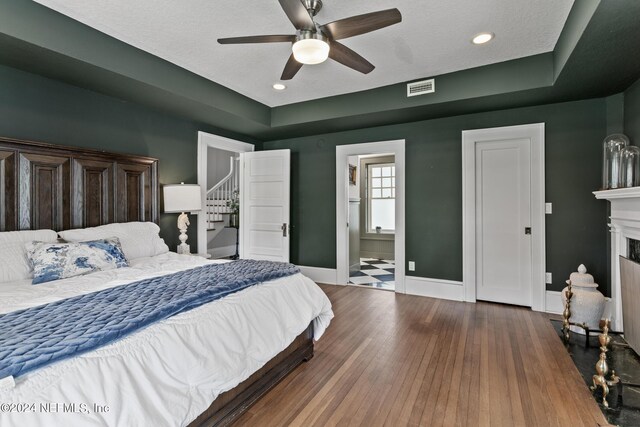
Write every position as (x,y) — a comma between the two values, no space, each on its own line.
(183,222)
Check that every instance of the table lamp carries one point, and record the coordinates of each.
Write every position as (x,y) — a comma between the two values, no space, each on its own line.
(182,198)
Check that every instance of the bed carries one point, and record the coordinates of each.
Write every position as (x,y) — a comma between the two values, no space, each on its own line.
(204,366)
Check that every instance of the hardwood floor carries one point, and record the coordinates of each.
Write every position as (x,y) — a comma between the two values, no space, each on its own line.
(398,360)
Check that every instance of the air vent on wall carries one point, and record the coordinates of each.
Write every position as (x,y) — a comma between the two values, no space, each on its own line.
(420,88)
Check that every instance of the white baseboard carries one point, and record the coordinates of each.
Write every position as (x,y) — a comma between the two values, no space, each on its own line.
(434,288)
(328,276)
(553,303)
(420,286)
(223,251)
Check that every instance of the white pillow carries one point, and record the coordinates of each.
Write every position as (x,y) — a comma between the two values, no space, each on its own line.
(14,263)
(138,239)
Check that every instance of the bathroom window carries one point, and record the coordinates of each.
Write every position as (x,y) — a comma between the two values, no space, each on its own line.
(381,198)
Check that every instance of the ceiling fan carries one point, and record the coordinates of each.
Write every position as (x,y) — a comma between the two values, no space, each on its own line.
(313,43)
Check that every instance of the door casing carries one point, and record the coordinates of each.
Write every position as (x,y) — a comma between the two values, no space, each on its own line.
(397,148)
(206,140)
(535,133)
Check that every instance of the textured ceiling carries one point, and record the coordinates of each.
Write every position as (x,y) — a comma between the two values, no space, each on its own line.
(433,38)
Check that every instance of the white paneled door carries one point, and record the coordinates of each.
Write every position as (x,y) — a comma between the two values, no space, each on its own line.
(264,205)
(503,221)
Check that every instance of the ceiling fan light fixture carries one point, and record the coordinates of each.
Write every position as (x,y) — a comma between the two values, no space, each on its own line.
(310,48)
(314,43)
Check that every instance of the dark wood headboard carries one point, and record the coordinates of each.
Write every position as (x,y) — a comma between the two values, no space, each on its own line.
(57,187)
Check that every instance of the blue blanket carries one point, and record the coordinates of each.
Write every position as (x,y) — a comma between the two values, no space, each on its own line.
(38,336)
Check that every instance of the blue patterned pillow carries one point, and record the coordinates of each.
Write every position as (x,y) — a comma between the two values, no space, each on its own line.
(54,261)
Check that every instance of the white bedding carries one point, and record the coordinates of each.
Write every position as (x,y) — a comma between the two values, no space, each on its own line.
(170,372)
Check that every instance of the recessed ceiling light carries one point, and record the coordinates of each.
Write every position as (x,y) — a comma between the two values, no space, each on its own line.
(482,38)
(279,86)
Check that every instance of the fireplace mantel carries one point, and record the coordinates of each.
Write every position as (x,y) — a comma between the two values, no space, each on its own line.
(625,224)
(618,193)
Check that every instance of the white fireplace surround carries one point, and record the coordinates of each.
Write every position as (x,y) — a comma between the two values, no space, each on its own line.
(625,224)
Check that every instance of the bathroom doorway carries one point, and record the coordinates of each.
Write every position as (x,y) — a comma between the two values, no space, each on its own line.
(372,220)
(370,202)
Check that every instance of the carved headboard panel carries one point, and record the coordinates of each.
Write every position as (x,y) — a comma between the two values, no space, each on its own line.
(58,187)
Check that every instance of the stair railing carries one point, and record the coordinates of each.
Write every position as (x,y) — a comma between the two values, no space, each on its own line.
(220,194)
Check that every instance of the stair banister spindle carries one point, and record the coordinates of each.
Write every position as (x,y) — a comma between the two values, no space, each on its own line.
(218,197)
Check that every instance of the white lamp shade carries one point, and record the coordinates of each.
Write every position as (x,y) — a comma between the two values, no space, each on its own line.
(310,51)
(182,198)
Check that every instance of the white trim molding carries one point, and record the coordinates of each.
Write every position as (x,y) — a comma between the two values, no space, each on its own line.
(535,133)
(397,148)
(205,141)
(553,302)
(320,275)
(434,288)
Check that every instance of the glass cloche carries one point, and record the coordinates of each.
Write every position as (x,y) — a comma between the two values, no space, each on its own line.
(630,167)
(612,158)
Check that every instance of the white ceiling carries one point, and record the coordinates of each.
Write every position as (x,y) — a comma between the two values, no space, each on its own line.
(433,38)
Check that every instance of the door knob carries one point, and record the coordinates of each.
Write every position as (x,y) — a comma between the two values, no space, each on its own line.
(527,230)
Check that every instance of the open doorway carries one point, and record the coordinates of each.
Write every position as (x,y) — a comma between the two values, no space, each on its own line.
(222,203)
(219,180)
(370,203)
(372,220)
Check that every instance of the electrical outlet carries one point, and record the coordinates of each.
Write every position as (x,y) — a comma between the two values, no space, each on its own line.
(412,266)
(548,208)
(548,279)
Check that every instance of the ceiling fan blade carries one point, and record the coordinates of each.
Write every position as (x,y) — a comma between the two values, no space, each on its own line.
(361,24)
(258,39)
(290,69)
(348,57)
(298,14)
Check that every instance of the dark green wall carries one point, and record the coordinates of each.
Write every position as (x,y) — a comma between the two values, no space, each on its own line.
(576,231)
(632,113)
(36,108)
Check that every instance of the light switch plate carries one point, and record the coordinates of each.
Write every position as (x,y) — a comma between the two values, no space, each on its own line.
(548,208)
(547,277)
(412,266)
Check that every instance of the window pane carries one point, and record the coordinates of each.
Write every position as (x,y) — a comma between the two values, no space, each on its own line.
(375,171)
(375,182)
(386,192)
(393,182)
(376,193)
(386,171)
(386,182)
(393,192)
(383,214)
(393,170)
